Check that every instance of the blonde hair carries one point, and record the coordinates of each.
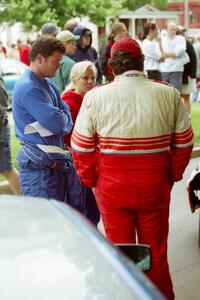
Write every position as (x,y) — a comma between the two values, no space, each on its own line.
(78,70)
(115,29)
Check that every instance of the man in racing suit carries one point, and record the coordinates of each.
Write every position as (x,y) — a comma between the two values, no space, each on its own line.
(41,120)
(132,140)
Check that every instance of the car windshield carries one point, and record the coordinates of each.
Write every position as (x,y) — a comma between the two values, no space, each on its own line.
(11,67)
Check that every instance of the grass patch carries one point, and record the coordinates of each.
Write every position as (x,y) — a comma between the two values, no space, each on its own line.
(14,149)
(196,122)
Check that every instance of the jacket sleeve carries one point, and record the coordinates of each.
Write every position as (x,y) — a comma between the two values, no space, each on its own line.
(181,143)
(180,46)
(56,119)
(84,142)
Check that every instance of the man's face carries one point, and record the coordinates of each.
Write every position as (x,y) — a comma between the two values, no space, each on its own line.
(48,66)
(70,47)
(171,30)
(86,40)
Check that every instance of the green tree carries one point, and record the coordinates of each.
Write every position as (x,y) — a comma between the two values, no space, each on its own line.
(134,4)
(34,13)
(161,4)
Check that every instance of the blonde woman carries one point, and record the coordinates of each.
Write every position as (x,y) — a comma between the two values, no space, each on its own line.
(83,78)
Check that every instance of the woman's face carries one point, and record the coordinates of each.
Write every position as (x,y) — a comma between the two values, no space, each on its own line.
(154,33)
(85,83)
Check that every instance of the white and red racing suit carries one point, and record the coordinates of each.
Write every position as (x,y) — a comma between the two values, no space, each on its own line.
(132,140)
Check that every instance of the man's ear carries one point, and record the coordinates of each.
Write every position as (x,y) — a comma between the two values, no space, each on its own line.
(39,58)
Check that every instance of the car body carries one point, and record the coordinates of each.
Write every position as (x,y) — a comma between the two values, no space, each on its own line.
(11,70)
(48,251)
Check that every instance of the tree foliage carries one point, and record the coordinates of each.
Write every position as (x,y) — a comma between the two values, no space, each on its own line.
(33,13)
(134,4)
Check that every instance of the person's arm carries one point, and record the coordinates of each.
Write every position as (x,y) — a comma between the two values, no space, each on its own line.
(162,56)
(38,103)
(181,143)
(84,143)
(179,49)
(150,50)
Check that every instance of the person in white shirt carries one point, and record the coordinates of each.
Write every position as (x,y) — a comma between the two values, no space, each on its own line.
(174,50)
(196,46)
(153,51)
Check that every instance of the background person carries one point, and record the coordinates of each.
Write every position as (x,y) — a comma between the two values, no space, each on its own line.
(3,50)
(196,46)
(50,29)
(24,50)
(62,77)
(118,31)
(174,47)
(153,51)
(85,50)
(189,72)
(132,140)
(71,24)
(6,167)
(83,77)
(13,52)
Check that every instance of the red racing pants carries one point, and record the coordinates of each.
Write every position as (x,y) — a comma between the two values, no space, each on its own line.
(133,197)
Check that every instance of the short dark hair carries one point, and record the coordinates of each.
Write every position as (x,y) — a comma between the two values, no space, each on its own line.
(46,46)
(123,61)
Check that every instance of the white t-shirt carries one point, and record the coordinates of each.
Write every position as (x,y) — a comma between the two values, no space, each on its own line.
(152,55)
(176,44)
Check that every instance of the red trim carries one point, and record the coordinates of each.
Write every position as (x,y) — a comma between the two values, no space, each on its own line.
(183,133)
(82,145)
(183,139)
(83,136)
(75,136)
(136,139)
(135,147)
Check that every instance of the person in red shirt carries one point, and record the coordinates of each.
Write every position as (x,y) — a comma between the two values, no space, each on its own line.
(118,32)
(3,50)
(23,52)
(83,76)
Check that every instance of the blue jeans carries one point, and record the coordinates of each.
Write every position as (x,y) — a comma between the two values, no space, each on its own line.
(5,152)
(37,178)
(173,78)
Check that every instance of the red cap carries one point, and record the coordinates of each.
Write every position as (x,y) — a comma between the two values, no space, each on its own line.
(127,44)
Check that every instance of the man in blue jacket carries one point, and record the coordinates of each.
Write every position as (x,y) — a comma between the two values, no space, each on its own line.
(41,120)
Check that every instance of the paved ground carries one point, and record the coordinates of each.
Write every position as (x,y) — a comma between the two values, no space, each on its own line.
(184,253)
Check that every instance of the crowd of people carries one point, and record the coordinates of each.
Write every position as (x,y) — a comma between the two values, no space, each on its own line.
(109,150)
